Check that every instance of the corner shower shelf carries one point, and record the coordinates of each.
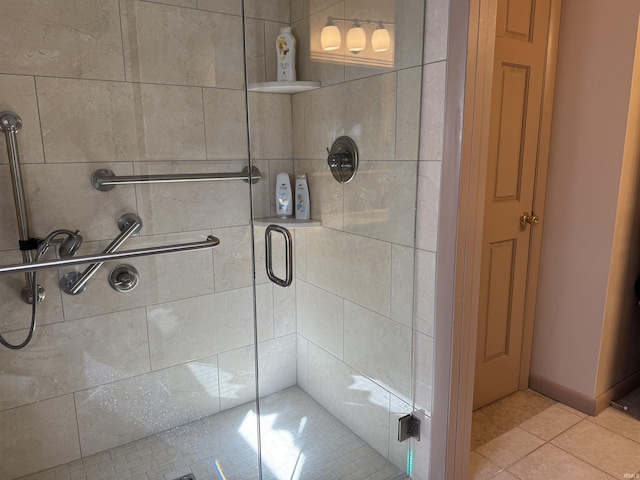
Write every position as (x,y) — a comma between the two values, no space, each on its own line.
(283,87)
(288,222)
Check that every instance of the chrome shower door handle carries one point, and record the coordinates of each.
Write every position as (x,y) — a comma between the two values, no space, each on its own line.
(288,242)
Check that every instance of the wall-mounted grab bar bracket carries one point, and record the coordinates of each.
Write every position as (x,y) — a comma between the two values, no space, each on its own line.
(104,180)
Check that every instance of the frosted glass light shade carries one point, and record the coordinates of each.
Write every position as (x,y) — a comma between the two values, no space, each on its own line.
(330,38)
(356,39)
(380,40)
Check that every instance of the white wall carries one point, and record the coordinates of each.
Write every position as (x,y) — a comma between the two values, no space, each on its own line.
(595,61)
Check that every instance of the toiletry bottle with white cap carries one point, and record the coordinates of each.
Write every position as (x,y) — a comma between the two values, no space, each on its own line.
(283,195)
(286,52)
(303,208)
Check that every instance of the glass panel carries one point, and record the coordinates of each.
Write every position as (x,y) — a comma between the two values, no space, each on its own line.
(157,382)
(335,347)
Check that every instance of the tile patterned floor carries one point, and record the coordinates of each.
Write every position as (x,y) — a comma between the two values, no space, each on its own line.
(301,441)
(529,437)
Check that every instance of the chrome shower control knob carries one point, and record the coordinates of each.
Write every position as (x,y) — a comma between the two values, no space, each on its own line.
(124,278)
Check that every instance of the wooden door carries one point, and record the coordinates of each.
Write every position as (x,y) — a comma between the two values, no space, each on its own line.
(513,159)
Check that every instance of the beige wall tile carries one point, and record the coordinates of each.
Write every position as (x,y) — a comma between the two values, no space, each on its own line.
(432,117)
(428,205)
(302,363)
(88,121)
(163,278)
(402,267)
(75,38)
(264,308)
(379,348)
(298,106)
(273,137)
(15,314)
(320,318)
(178,3)
(61,196)
(237,377)
(181,46)
(425,291)
(284,309)
(275,10)
(370,116)
(43,433)
(70,356)
(263,201)
(423,372)
(18,95)
(124,411)
(197,327)
(221,6)
(324,119)
(277,364)
(297,10)
(300,245)
(380,202)
(163,206)
(325,193)
(314,6)
(436,30)
(408,114)
(232,258)
(341,264)
(356,401)
(9,235)
(255,51)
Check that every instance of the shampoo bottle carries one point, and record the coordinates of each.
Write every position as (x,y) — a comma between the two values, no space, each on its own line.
(303,208)
(286,51)
(283,195)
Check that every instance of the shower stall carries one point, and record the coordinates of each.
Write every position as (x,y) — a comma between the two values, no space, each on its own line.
(166,113)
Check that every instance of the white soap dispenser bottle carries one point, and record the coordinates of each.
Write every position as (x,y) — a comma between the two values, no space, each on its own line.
(303,207)
(283,195)
(286,52)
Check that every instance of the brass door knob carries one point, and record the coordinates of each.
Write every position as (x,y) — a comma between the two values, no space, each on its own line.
(526,217)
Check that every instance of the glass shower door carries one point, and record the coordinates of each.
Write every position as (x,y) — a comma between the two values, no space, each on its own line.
(157,381)
(335,347)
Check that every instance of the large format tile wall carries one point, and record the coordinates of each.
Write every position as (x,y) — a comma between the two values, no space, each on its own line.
(137,87)
(356,311)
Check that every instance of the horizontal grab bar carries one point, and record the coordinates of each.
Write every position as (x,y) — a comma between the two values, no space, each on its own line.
(105,180)
(210,242)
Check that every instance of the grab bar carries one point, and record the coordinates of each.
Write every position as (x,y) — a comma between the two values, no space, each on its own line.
(10,124)
(210,242)
(104,180)
(74,283)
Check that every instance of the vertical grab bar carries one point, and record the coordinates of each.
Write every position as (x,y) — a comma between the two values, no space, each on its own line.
(288,255)
(73,283)
(10,124)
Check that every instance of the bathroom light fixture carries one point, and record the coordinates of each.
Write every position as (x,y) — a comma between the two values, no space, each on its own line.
(356,38)
(380,39)
(330,38)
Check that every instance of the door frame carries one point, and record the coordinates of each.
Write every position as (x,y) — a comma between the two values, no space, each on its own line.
(461,205)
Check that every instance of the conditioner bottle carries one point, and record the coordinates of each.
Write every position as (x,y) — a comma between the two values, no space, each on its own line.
(303,208)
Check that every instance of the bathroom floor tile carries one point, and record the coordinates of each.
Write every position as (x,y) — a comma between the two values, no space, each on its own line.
(620,423)
(502,415)
(300,440)
(510,447)
(481,468)
(551,463)
(601,448)
(550,423)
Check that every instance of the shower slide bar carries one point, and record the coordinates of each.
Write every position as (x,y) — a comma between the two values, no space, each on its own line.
(210,242)
(105,180)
